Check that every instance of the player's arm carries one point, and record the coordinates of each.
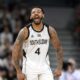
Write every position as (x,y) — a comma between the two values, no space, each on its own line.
(17,48)
(56,43)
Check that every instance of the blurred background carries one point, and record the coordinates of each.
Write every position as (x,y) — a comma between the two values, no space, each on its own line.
(63,15)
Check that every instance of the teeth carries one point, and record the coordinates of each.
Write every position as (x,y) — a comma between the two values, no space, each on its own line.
(36,18)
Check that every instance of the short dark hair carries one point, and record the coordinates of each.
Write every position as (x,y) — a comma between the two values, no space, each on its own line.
(66,64)
(37,7)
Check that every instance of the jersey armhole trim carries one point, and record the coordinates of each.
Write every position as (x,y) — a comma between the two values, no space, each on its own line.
(48,32)
(24,53)
(28,33)
(27,26)
(48,29)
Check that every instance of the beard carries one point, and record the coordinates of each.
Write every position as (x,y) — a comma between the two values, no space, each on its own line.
(37,22)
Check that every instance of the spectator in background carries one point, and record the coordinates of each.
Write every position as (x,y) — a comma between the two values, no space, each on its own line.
(15,17)
(7,14)
(3,73)
(76,34)
(70,71)
(23,10)
(11,70)
(75,25)
(17,29)
(1,17)
(6,34)
(5,51)
(6,62)
(72,60)
(67,73)
(6,23)
(77,12)
(76,71)
(64,70)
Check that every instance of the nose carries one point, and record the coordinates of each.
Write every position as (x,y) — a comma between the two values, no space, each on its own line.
(36,12)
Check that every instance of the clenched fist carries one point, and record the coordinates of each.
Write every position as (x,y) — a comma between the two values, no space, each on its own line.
(57,73)
(21,76)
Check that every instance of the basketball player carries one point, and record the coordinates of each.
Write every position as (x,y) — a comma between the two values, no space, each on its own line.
(33,40)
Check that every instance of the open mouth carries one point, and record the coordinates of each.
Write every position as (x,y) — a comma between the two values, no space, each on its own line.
(37,19)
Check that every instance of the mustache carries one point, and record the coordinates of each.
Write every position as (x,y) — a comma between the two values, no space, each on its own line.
(35,18)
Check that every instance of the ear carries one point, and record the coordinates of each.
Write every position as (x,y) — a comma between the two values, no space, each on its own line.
(43,15)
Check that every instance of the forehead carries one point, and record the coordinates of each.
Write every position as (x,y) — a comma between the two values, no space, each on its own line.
(36,9)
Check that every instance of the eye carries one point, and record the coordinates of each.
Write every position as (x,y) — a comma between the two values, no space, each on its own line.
(32,12)
(39,11)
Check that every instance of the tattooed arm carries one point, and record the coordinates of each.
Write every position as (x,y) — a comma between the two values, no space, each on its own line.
(56,43)
(17,48)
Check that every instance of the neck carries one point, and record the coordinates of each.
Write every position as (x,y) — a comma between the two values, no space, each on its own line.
(37,27)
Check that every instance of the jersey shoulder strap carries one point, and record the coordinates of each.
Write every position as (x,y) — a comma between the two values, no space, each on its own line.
(46,24)
(47,28)
(27,26)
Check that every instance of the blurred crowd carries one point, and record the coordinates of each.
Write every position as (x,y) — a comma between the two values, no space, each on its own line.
(76,30)
(12,19)
(74,26)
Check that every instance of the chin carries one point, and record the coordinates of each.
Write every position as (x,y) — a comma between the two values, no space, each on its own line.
(37,23)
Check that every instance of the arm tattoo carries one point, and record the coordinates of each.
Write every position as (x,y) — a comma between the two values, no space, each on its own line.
(59,56)
(17,51)
(56,43)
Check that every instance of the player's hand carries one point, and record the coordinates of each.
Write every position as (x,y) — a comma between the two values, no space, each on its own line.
(20,76)
(57,73)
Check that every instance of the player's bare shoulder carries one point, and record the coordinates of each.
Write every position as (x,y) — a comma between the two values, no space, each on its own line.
(54,38)
(52,31)
(23,34)
(24,31)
